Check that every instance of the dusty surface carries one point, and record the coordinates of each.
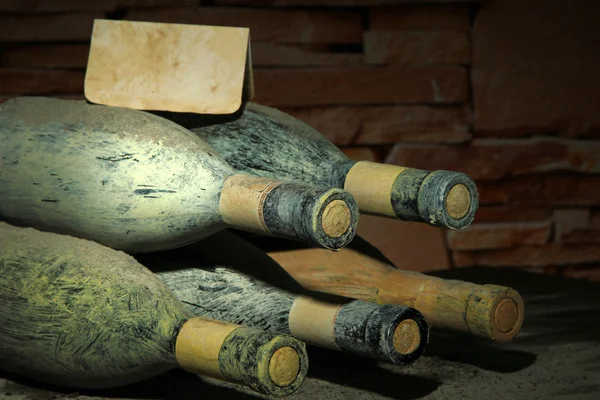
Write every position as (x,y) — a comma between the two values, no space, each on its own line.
(557,355)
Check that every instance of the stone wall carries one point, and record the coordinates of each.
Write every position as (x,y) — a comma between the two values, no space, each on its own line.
(507,91)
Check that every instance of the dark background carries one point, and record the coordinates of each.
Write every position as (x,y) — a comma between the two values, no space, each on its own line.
(507,91)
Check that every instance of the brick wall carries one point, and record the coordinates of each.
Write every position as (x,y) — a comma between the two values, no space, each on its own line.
(504,90)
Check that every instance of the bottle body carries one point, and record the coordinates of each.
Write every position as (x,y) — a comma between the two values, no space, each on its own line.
(110,175)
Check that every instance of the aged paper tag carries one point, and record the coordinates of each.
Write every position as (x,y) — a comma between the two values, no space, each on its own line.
(169,67)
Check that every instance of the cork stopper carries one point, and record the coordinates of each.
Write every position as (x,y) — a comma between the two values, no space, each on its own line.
(336,218)
(407,337)
(284,366)
(506,315)
(458,201)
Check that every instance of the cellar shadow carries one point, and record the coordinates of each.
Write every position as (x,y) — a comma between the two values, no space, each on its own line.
(172,385)
(216,251)
(592,364)
(364,374)
(465,349)
(196,120)
(225,249)
(579,390)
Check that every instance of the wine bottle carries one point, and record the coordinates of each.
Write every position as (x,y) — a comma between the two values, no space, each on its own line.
(489,311)
(79,314)
(269,143)
(395,334)
(137,182)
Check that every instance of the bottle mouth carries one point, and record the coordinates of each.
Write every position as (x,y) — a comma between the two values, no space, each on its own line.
(335,219)
(507,316)
(458,201)
(284,366)
(407,337)
(448,199)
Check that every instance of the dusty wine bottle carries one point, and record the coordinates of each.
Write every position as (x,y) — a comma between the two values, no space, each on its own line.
(269,143)
(395,334)
(490,311)
(79,314)
(137,182)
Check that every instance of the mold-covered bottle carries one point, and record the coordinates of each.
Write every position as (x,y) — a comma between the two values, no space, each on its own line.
(269,143)
(137,182)
(79,314)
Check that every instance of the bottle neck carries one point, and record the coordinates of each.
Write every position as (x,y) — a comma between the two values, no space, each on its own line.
(322,216)
(199,343)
